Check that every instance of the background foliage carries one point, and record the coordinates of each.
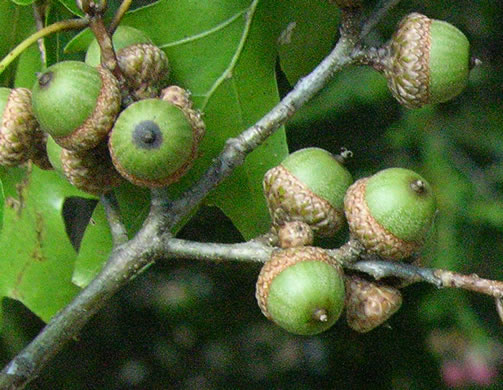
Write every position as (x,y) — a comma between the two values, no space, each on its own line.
(196,325)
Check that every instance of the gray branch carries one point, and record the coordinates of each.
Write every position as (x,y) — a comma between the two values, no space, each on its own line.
(154,240)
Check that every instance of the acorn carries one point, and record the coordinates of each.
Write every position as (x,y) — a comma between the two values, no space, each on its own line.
(308,186)
(369,304)
(154,142)
(39,155)
(428,61)
(301,290)
(20,134)
(145,65)
(295,233)
(391,212)
(90,170)
(76,104)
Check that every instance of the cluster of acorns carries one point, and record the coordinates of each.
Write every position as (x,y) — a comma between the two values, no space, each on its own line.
(78,120)
(303,289)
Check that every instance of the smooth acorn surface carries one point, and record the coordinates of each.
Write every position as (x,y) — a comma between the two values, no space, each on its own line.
(54,154)
(152,143)
(76,104)
(391,212)
(124,36)
(301,290)
(308,186)
(429,61)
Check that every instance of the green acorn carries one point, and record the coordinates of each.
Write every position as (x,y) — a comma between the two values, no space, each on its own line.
(54,155)
(76,104)
(428,61)
(369,304)
(301,290)
(308,186)
(154,142)
(391,212)
(20,136)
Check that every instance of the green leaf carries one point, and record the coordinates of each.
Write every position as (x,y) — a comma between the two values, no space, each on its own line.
(303,42)
(15,23)
(226,57)
(36,255)
(96,244)
(2,205)
(28,65)
(354,86)
(71,6)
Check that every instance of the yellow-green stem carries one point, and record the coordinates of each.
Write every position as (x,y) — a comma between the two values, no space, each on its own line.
(71,24)
(119,15)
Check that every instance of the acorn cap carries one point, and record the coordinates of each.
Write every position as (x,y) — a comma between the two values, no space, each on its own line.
(76,104)
(308,186)
(295,233)
(124,36)
(39,156)
(19,130)
(301,290)
(369,304)
(146,67)
(181,99)
(429,61)
(152,143)
(390,212)
(90,170)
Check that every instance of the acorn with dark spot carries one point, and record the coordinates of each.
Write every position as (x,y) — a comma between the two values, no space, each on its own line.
(76,104)
(154,142)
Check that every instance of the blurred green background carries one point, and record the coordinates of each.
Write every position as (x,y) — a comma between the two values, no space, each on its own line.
(195,325)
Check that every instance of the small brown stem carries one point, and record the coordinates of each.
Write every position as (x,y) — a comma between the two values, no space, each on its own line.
(470,282)
(108,57)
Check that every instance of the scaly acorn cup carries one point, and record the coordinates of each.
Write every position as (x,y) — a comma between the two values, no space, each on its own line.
(39,156)
(301,289)
(391,212)
(19,131)
(90,170)
(145,66)
(308,186)
(295,233)
(76,104)
(428,61)
(369,304)
(153,143)
(181,98)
